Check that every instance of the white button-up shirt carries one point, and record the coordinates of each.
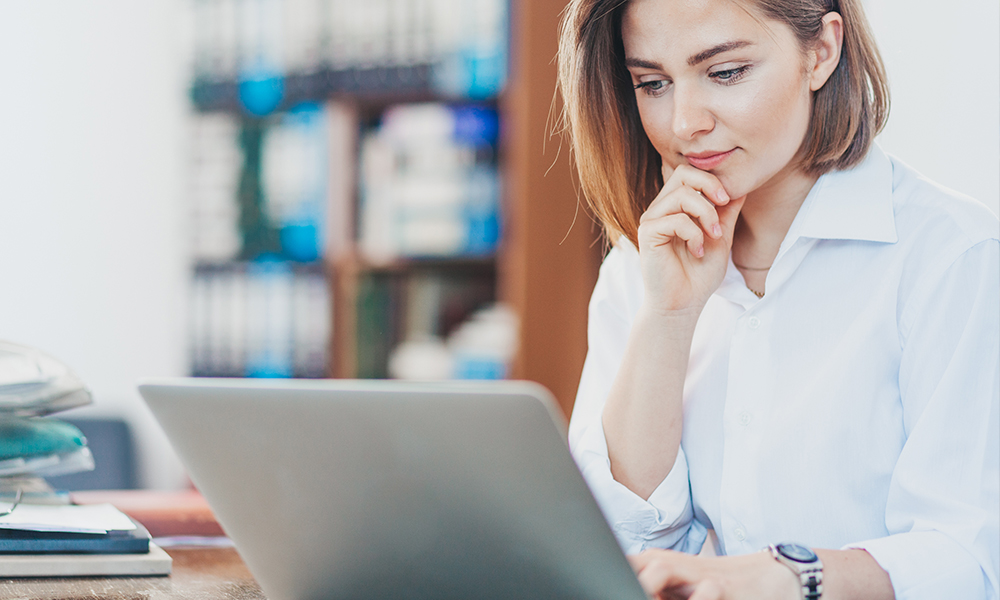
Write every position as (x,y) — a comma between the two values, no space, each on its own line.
(855,405)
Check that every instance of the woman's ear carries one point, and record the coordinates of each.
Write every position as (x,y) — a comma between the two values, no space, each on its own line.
(825,55)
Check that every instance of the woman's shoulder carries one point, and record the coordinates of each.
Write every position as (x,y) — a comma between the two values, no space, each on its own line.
(621,261)
(926,209)
(939,231)
(619,283)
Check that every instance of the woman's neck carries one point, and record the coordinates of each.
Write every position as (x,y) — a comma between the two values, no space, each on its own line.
(767,216)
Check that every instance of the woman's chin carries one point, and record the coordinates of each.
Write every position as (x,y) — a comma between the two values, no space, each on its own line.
(736,187)
(739,183)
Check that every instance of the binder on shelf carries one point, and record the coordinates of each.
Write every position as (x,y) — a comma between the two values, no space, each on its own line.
(216,161)
(294,169)
(377,313)
(430,184)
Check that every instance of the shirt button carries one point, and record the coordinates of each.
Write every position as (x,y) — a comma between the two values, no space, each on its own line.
(753,323)
(740,534)
(744,418)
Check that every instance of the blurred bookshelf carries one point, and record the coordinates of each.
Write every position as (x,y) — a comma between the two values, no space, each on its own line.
(366,196)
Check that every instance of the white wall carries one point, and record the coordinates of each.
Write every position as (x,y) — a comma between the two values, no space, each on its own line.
(943,60)
(91,258)
(92,108)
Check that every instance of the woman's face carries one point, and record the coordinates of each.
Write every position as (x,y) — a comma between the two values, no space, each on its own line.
(717,88)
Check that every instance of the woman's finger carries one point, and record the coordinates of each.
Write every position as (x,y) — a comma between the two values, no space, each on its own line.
(666,170)
(728,215)
(656,578)
(639,561)
(662,231)
(666,577)
(692,202)
(703,181)
(707,590)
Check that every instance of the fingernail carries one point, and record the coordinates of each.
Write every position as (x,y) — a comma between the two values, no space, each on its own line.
(723,196)
(716,230)
(700,252)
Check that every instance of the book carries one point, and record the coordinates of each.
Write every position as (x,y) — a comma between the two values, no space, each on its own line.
(153,563)
(135,541)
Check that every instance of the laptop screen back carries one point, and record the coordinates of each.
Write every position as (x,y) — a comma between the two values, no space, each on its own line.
(347,489)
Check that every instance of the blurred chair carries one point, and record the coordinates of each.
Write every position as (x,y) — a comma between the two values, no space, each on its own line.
(110,441)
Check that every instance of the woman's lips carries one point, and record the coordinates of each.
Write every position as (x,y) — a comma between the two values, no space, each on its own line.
(707,160)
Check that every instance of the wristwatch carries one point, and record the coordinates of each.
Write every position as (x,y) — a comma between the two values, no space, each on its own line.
(805,564)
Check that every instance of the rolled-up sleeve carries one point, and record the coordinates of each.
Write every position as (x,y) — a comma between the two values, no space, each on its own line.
(664,520)
(943,508)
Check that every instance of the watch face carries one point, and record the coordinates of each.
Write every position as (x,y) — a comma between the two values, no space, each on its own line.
(797,553)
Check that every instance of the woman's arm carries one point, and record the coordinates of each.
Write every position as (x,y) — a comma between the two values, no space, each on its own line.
(853,574)
(665,518)
(642,418)
(685,238)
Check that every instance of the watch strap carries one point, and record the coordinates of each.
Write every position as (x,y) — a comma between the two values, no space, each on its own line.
(810,574)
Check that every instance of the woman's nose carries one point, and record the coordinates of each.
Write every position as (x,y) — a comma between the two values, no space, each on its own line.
(691,114)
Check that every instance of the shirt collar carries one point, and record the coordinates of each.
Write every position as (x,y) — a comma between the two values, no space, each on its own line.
(842,205)
(850,205)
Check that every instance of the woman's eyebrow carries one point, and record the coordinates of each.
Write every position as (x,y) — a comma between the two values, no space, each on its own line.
(719,49)
(702,56)
(643,64)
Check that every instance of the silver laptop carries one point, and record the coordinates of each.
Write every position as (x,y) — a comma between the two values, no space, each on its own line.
(380,489)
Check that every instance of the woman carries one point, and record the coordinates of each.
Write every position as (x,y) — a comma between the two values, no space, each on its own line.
(794,337)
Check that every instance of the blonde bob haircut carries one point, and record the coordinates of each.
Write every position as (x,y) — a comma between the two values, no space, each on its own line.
(618,167)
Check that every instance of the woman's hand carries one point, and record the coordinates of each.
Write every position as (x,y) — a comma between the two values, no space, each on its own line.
(668,575)
(684,240)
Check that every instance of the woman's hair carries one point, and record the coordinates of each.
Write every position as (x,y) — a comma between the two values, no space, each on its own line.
(618,167)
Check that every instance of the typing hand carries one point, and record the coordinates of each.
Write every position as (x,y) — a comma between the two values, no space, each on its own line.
(668,575)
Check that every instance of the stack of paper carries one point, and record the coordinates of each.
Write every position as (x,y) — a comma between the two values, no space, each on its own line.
(93,540)
(93,518)
(40,533)
(33,384)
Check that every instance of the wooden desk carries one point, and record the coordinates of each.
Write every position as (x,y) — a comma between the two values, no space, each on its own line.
(198,574)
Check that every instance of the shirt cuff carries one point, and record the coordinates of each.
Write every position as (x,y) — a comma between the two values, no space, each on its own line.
(662,521)
(928,565)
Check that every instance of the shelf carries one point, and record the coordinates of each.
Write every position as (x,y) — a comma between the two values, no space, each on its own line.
(386,84)
(471,264)
(550,251)
(205,267)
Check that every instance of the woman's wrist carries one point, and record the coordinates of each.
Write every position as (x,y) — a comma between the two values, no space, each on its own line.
(846,574)
(779,580)
(673,324)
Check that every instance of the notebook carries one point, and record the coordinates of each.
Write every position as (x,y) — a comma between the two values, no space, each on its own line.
(156,562)
(134,541)
(379,489)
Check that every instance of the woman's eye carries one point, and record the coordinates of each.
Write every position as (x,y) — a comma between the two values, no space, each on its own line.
(652,88)
(730,75)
